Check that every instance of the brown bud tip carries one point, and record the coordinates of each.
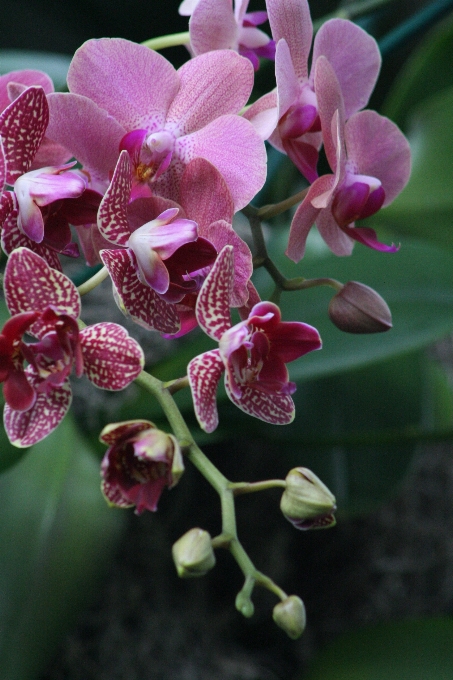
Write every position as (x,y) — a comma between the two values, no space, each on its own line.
(359,309)
(290,616)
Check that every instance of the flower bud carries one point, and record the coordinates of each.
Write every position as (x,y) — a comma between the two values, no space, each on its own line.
(359,309)
(290,616)
(193,554)
(307,502)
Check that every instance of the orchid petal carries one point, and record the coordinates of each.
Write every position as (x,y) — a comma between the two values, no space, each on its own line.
(274,408)
(305,216)
(111,358)
(113,220)
(25,428)
(136,300)
(22,127)
(87,131)
(337,239)
(288,84)
(13,238)
(213,26)
(330,100)
(291,20)
(204,373)
(26,78)
(212,85)
(263,114)
(187,7)
(213,303)
(30,284)
(233,146)
(134,84)
(354,56)
(205,195)
(368,238)
(379,149)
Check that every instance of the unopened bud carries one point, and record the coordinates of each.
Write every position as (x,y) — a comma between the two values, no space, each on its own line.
(359,309)
(193,554)
(307,502)
(290,616)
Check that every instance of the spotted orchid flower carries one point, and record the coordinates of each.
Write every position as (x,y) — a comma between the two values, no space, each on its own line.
(140,462)
(252,355)
(214,25)
(355,59)
(36,210)
(126,96)
(370,158)
(45,303)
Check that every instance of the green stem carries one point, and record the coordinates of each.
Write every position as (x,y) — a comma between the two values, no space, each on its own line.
(163,41)
(239,488)
(228,538)
(94,281)
(273,209)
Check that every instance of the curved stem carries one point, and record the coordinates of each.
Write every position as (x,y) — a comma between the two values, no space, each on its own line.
(228,538)
(239,488)
(163,41)
(94,281)
(273,209)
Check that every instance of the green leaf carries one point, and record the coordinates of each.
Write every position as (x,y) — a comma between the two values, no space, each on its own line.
(425,207)
(405,650)
(56,537)
(55,65)
(417,284)
(426,72)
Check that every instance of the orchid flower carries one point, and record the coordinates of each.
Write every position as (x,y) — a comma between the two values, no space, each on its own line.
(214,26)
(46,304)
(252,354)
(370,158)
(34,212)
(126,96)
(139,463)
(355,59)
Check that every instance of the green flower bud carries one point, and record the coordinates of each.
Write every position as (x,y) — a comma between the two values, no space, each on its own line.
(290,616)
(359,309)
(193,554)
(307,502)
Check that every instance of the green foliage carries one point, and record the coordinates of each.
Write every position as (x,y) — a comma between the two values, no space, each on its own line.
(56,534)
(405,650)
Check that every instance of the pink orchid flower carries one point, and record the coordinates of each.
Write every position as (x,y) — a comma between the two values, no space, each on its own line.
(46,304)
(252,354)
(355,59)
(214,26)
(126,96)
(139,463)
(370,158)
(35,213)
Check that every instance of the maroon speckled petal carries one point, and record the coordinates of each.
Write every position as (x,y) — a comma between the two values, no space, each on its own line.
(204,373)
(25,428)
(31,285)
(277,409)
(135,299)
(13,238)
(22,127)
(213,303)
(112,216)
(111,358)
(7,203)
(115,432)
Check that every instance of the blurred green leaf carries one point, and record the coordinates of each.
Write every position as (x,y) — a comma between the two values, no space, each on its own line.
(405,650)
(426,72)
(56,536)
(55,65)
(425,207)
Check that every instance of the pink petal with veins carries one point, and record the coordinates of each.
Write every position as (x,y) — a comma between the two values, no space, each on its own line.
(204,373)
(30,284)
(212,26)
(144,82)
(355,58)
(213,303)
(291,20)
(212,85)
(25,428)
(22,127)
(26,77)
(111,358)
